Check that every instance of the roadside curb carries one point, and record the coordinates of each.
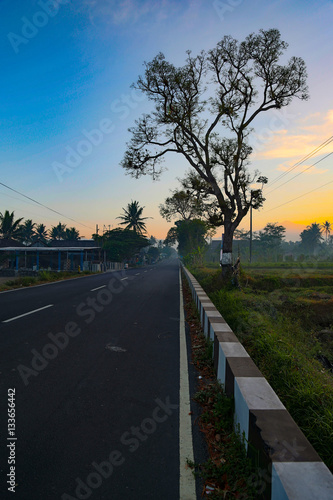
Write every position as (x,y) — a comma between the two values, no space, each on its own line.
(271,436)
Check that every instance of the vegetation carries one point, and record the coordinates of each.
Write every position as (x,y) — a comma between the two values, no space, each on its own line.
(118,244)
(311,237)
(58,232)
(41,234)
(9,227)
(122,244)
(189,234)
(269,244)
(285,321)
(40,278)
(29,232)
(204,111)
(188,203)
(132,218)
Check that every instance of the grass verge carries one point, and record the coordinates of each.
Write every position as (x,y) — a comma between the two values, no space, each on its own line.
(42,277)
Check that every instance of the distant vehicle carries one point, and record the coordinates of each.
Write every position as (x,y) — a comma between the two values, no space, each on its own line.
(126,266)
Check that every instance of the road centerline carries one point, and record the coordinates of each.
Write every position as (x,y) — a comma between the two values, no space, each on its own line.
(98,288)
(28,313)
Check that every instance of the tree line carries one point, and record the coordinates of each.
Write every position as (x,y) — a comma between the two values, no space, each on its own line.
(269,244)
(119,244)
(29,232)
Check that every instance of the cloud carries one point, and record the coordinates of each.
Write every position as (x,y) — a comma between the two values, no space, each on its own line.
(306,168)
(120,12)
(307,134)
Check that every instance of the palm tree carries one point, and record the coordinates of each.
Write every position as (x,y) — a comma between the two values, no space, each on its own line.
(311,236)
(41,233)
(132,218)
(9,228)
(58,232)
(27,231)
(71,234)
(327,228)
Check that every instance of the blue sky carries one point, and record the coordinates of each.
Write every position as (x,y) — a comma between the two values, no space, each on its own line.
(67,72)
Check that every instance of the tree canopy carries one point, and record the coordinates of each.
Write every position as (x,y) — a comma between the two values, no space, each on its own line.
(311,237)
(189,234)
(121,244)
(132,217)
(204,111)
(9,227)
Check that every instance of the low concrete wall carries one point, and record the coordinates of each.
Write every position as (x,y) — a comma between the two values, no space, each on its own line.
(291,467)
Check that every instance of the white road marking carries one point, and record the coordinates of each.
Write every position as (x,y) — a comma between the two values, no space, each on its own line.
(27,314)
(94,289)
(122,279)
(137,274)
(186,478)
(114,348)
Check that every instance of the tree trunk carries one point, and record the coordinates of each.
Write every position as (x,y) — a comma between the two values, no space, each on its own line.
(226,262)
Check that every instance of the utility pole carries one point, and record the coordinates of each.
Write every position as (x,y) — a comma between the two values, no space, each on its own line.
(250,234)
(97,229)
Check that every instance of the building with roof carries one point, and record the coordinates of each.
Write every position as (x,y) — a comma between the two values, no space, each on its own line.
(16,258)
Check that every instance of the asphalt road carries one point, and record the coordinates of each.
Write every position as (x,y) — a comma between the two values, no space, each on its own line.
(94,363)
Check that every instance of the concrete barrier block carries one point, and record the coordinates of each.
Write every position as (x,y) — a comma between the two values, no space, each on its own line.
(205,305)
(301,481)
(210,314)
(252,393)
(226,350)
(239,367)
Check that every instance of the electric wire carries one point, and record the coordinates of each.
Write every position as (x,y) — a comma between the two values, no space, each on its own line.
(300,173)
(301,196)
(302,160)
(42,205)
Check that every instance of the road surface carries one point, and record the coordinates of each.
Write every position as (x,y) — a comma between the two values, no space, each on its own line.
(91,369)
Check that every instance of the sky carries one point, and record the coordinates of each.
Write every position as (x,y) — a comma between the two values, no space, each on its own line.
(67,103)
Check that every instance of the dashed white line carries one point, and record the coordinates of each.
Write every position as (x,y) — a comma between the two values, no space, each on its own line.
(27,314)
(94,289)
(137,274)
(122,279)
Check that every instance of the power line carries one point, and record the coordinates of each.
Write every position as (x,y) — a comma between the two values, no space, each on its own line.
(41,204)
(301,196)
(309,155)
(300,173)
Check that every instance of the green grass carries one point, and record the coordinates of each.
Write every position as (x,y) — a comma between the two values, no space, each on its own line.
(278,320)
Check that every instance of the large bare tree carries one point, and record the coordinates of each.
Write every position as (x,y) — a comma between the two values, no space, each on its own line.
(204,111)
